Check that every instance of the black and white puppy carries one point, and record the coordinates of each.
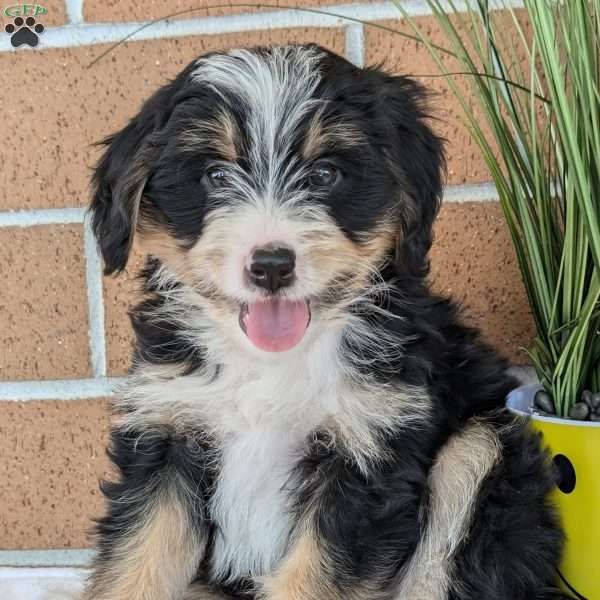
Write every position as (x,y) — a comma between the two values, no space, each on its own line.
(304,420)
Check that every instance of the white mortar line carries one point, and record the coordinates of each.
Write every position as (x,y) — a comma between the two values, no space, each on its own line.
(59,389)
(100,33)
(95,297)
(102,387)
(87,389)
(81,389)
(74,10)
(475,192)
(46,558)
(355,44)
(49,216)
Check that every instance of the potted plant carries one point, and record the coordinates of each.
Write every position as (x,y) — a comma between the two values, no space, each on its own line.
(533,107)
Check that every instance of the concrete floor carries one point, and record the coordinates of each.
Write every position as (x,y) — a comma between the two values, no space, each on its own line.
(41,583)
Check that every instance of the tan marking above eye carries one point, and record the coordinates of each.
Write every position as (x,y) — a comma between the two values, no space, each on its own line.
(321,136)
(220,134)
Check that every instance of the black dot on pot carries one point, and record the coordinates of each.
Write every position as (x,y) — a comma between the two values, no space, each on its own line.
(566,474)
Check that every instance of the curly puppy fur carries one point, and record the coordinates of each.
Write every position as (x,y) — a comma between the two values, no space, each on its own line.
(373,459)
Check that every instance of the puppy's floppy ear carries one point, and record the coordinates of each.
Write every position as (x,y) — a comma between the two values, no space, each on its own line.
(121,174)
(417,158)
(118,184)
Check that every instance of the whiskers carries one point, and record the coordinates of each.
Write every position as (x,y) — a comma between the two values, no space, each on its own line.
(371,326)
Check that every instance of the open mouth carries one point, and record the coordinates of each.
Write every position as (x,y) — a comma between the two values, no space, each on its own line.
(275,324)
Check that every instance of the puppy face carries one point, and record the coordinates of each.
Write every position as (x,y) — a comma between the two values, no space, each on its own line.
(280,184)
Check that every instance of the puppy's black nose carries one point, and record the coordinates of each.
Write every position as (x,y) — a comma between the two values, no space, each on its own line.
(272,268)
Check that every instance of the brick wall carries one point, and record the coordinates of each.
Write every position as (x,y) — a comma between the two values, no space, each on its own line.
(64,336)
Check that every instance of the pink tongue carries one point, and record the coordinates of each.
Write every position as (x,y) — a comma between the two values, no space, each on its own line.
(276,325)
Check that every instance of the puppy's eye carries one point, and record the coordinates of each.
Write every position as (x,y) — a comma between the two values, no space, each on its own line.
(216,177)
(323,175)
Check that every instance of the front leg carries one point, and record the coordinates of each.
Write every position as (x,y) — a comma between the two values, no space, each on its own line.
(305,574)
(455,479)
(355,527)
(153,537)
(315,570)
(490,532)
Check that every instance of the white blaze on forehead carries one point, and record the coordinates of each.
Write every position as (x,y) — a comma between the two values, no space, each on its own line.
(275,89)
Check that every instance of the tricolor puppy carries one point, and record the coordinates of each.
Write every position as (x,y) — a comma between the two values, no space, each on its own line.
(304,420)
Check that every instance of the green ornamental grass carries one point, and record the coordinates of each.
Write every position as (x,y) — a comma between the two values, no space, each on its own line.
(533,107)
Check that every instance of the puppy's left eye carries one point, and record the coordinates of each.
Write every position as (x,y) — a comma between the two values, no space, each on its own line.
(323,175)
(215,177)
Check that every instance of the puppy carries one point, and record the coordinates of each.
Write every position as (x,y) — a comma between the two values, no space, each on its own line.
(304,420)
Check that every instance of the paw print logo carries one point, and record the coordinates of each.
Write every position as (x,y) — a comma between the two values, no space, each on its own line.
(24,31)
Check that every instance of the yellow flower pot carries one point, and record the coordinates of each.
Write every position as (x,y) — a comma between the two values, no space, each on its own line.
(575,447)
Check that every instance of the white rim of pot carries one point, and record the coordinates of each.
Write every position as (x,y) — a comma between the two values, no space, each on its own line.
(520,402)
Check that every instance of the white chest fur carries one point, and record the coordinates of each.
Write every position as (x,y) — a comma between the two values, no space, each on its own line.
(262,412)
(251,505)
(265,418)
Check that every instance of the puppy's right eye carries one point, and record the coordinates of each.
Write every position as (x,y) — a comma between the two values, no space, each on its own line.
(323,175)
(215,177)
